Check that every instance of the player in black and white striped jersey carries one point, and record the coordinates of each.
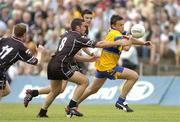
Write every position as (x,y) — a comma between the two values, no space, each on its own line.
(13,49)
(87,16)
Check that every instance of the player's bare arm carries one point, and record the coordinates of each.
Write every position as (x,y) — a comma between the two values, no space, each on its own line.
(138,42)
(79,58)
(104,44)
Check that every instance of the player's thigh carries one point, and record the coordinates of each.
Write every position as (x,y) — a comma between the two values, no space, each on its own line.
(64,84)
(97,83)
(56,85)
(78,78)
(128,74)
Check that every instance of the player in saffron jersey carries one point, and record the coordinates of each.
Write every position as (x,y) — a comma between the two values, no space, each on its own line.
(107,66)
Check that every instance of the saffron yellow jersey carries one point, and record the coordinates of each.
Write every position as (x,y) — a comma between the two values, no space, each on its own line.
(110,56)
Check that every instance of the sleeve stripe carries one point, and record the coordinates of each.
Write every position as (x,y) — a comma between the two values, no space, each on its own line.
(117,38)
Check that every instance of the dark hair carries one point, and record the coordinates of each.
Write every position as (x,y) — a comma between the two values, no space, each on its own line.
(115,18)
(76,22)
(20,30)
(86,11)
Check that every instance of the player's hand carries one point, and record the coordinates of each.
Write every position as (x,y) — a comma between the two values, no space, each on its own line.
(94,58)
(148,44)
(40,48)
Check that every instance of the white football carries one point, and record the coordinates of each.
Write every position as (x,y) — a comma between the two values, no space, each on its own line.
(138,31)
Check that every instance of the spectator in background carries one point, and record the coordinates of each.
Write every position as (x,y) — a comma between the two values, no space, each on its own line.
(10,25)
(3,28)
(164,38)
(177,7)
(27,18)
(96,26)
(128,21)
(53,41)
(36,27)
(19,4)
(170,8)
(16,16)
(61,15)
(4,12)
(107,13)
(50,19)
(37,7)
(40,39)
(131,10)
(146,8)
(155,39)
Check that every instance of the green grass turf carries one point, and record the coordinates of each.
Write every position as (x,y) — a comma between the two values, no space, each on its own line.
(93,113)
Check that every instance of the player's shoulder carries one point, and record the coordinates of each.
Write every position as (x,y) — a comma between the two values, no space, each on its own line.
(125,33)
(1,39)
(73,34)
(5,39)
(114,32)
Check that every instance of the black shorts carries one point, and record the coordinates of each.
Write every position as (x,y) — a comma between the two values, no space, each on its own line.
(56,72)
(2,80)
(74,65)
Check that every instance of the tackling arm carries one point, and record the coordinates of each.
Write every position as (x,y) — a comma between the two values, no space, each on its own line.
(80,58)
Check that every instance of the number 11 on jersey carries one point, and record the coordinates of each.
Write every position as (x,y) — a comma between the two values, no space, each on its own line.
(5,51)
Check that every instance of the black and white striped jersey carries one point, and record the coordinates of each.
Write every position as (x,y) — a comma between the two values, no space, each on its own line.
(70,43)
(12,50)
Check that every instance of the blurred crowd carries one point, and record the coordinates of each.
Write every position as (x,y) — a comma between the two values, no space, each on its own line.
(47,19)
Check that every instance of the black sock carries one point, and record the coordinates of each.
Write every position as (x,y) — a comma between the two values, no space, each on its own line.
(42,112)
(72,104)
(35,93)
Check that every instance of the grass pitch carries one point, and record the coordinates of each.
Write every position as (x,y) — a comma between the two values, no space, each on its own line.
(93,113)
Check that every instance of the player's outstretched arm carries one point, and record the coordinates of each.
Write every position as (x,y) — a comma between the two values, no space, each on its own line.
(138,42)
(86,59)
(104,44)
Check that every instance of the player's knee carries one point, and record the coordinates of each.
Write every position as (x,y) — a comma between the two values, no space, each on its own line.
(6,92)
(85,82)
(93,90)
(56,92)
(62,90)
(135,76)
